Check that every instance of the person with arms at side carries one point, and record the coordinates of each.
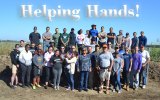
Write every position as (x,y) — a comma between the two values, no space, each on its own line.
(38,61)
(72,37)
(80,40)
(21,45)
(136,68)
(47,36)
(119,38)
(84,67)
(15,65)
(127,68)
(93,33)
(110,49)
(135,41)
(25,59)
(142,40)
(117,65)
(105,61)
(34,37)
(48,68)
(145,66)
(56,39)
(87,39)
(64,38)
(56,63)
(128,41)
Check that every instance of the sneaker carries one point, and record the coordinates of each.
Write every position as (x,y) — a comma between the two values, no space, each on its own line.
(12,86)
(120,91)
(144,86)
(45,86)
(86,90)
(15,86)
(136,88)
(34,87)
(57,87)
(72,90)
(113,90)
(80,90)
(23,86)
(127,88)
(68,88)
(38,85)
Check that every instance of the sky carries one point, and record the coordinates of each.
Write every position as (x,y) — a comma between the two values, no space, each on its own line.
(16,27)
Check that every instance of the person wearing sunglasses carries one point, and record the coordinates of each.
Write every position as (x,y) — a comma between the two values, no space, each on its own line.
(127,68)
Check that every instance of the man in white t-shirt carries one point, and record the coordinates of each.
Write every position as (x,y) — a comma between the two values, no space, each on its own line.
(145,66)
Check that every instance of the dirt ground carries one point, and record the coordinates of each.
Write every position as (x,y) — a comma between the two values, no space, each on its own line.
(152,91)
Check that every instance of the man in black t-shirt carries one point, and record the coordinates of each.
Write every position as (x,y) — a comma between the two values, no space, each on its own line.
(34,37)
(111,36)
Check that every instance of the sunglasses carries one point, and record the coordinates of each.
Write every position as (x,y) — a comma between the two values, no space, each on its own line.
(62,48)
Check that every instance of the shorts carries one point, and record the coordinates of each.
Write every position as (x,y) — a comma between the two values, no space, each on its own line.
(104,74)
(37,71)
(14,69)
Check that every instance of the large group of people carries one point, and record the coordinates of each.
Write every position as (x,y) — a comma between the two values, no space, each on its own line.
(93,60)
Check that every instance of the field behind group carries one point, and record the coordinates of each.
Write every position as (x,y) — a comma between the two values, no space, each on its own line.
(7,46)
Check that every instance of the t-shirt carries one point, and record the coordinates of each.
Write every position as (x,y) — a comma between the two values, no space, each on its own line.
(136,61)
(145,55)
(65,37)
(55,37)
(72,37)
(93,33)
(119,39)
(35,38)
(103,36)
(47,34)
(117,64)
(57,62)
(104,59)
(111,39)
(126,58)
(135,42)
(80,38)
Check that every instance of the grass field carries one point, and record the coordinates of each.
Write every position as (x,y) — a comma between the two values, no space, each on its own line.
(7,47)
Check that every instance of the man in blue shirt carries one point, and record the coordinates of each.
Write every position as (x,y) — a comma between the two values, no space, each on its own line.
(142,40)
(93,32)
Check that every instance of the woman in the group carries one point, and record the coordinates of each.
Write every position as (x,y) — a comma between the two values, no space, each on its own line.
(56,63)
(71,69)
(84,66)
(48,68)
(87,39)
(80,40)
(38,61)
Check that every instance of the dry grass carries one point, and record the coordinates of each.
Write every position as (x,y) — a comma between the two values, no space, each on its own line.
(6,47)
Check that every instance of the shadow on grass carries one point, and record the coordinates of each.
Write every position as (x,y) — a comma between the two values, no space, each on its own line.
(5,75)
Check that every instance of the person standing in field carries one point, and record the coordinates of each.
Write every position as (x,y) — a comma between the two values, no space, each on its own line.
(119,38)
(56,63)
(135,41)
(136,68)
(142,40)
(105,61)
(127,68)
(15,65)
(21,45)
(80,40)
(93,32)
(111,36)
(102,37)
(128,41)
(87,39)
(117,65)
(84,67)
(25,59)
(64,38)
(34,37)
(70,68)
(38,61)
(47,36)
(48,68)
(55,37)
(145,66)
(72,37)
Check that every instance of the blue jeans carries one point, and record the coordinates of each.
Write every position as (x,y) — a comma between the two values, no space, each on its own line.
(45,45)
(83,79)
(57,76)
(117,81)
(70,79)
(144,75)
(134,81)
